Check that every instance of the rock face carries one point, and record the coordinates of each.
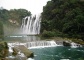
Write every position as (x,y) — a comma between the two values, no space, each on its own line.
(18,52)
(66,43)
(22,51)
(15,51)
(26,52)
(3,50)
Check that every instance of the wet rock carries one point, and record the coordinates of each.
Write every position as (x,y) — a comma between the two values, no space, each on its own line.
(15,51)
(26,51)
(3,50)
(65,43)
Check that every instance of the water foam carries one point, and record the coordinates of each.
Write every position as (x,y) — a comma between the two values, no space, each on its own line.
(31,25)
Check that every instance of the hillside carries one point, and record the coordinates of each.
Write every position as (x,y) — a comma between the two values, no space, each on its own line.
(63,18)
(11,20)
(14,16)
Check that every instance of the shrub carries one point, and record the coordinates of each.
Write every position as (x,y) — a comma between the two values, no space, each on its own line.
(3,49)
(48,34)
(1,31)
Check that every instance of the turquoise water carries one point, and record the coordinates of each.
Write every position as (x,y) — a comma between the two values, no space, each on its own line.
(21,38)
(59,53)
(50,53)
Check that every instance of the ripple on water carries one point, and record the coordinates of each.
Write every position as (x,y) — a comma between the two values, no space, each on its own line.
(30,59)
(69,49)
(64,59)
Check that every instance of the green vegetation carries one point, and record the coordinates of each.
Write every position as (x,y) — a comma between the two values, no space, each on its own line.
(80,59)
(63,17)
(3,50)
(11,20)
(14,16)
(47,34)
(1,31)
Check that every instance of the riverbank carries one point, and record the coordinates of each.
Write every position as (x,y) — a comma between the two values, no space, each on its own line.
(39,53)
(78,41)
(10,51)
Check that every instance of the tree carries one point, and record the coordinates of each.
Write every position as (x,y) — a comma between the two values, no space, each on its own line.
(66,16)
(1,31)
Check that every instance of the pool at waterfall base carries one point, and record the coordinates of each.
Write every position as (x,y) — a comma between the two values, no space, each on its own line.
(58,53)
(49,53)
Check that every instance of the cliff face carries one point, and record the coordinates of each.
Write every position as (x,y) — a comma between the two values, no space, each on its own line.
(14,22)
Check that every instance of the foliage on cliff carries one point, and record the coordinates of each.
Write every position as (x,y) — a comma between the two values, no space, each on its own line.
(3,50)
(13,15)
(66,16)
(1,31)
(11,19)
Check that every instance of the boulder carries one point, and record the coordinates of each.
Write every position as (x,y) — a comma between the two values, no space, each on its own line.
(65,43)
(3,50)
(26,51)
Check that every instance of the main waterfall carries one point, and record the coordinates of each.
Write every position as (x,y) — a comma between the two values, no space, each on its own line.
(31,25)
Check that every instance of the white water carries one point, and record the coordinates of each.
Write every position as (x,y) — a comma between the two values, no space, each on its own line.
(74,45)
(31,25)
(40,44)
(30,59)
(36,44)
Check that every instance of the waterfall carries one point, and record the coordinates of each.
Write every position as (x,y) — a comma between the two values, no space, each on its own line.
(75,45)
(31,25)
(40,44)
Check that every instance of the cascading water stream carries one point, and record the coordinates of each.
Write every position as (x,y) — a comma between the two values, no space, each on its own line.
(41,44)
(31,25)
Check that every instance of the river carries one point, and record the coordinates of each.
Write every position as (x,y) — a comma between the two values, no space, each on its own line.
(49,53)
